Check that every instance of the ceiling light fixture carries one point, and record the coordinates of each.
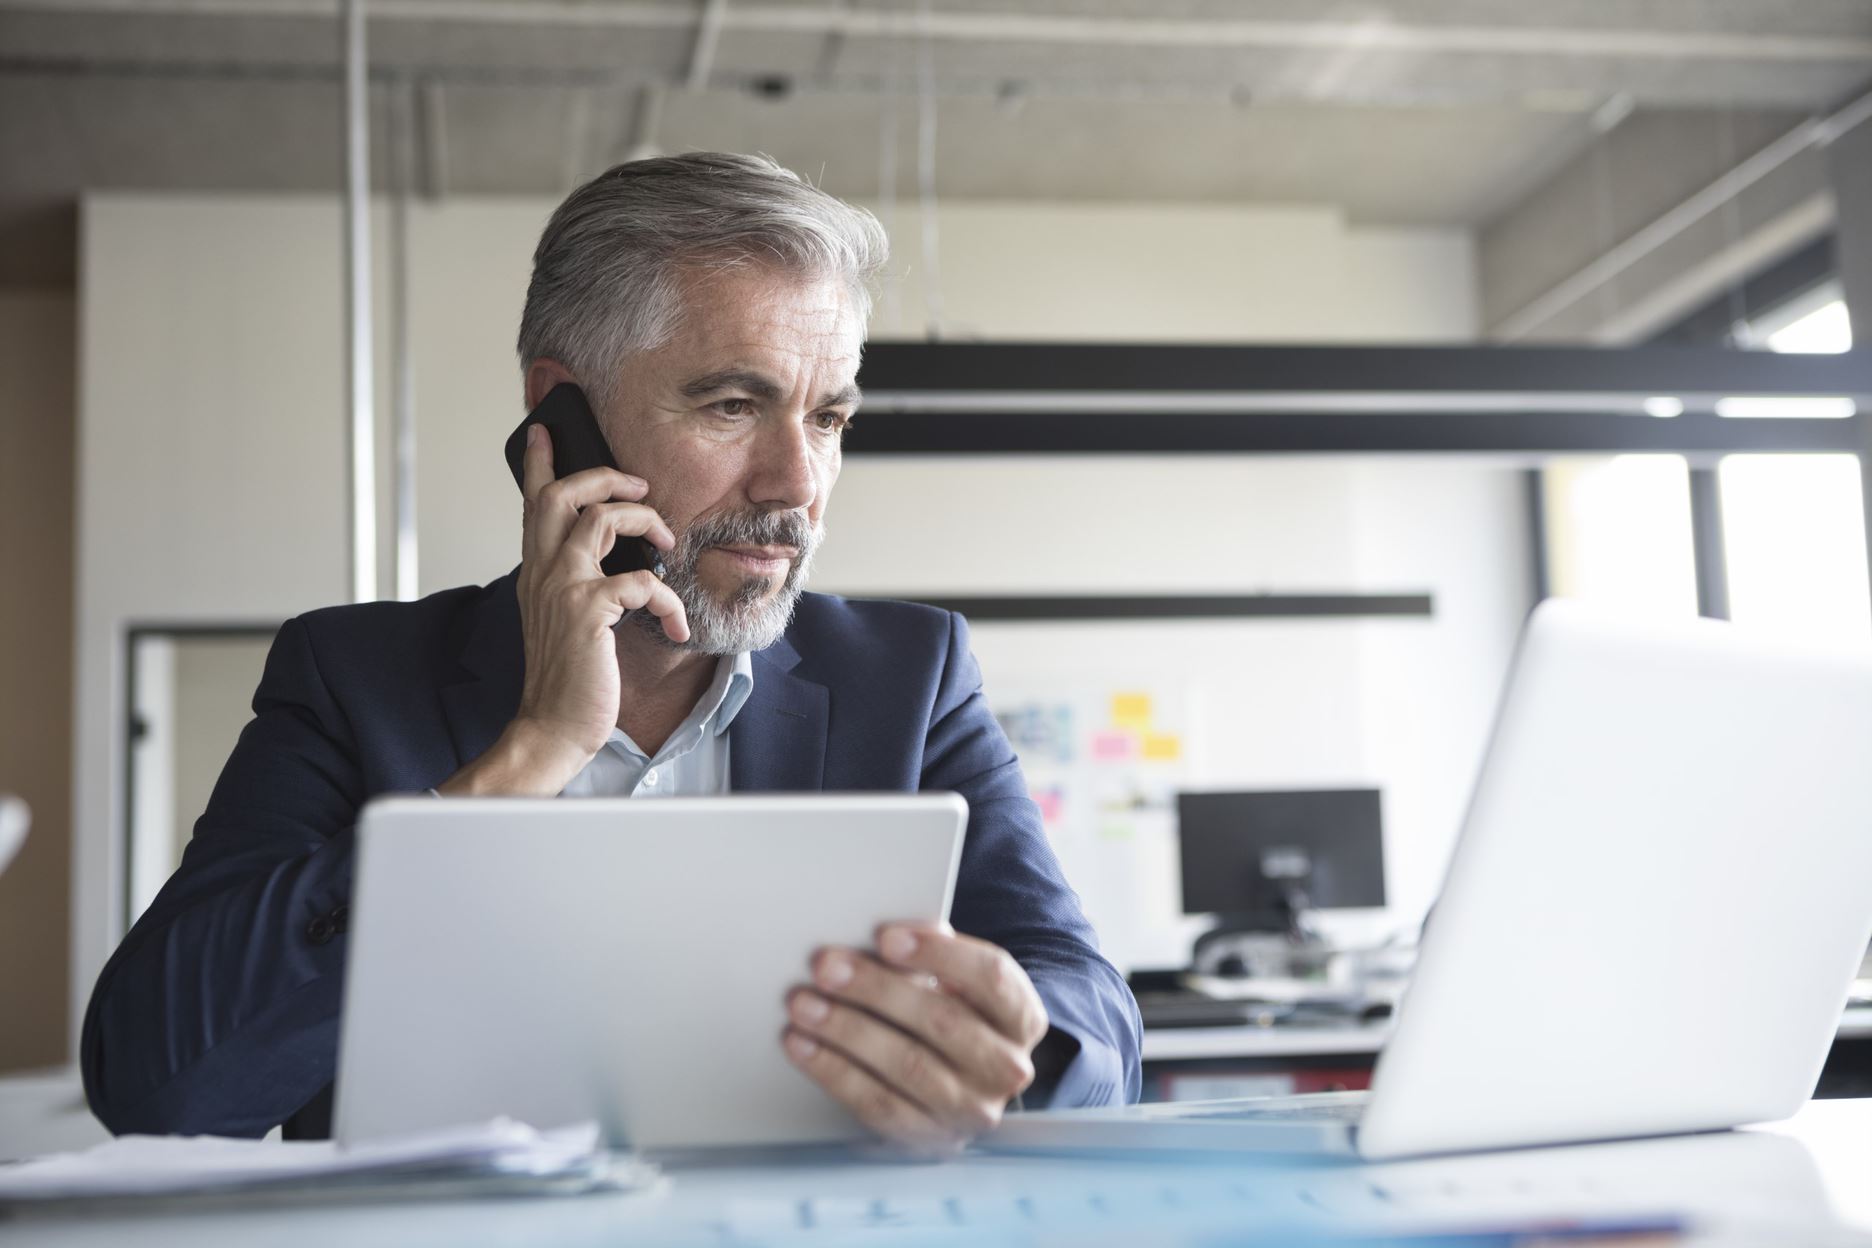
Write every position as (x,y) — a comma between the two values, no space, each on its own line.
(1786,407)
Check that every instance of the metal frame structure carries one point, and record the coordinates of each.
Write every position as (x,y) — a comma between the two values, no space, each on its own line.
(1050,398)
(1052,608)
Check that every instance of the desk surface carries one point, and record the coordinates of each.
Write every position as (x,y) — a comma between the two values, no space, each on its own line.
(1802,1181)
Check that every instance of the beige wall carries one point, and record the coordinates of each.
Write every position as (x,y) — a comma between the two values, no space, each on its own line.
(37,420)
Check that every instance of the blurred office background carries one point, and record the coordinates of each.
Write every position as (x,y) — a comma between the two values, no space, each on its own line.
(1413,172)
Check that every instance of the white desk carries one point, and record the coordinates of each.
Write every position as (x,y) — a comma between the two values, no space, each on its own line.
(1804,1181)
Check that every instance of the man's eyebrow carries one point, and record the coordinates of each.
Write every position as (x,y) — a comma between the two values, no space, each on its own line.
(761,387)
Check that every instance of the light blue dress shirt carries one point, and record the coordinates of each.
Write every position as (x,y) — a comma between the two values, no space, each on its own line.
(692,763)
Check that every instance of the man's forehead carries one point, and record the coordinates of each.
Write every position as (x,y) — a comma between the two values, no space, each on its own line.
(760,300)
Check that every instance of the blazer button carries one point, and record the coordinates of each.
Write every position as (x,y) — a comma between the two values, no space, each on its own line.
(321,930)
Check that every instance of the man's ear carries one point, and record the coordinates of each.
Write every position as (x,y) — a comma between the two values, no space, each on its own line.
(541,376)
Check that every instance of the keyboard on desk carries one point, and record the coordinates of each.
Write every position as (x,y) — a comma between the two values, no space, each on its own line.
(1338,1109)
(1185,1009)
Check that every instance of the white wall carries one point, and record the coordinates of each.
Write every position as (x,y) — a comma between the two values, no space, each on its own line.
(1142,273)
(1399,703)
(211,471)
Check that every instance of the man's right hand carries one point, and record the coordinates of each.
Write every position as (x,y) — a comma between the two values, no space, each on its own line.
(569,703)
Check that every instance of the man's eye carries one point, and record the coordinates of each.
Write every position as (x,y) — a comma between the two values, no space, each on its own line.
(833,422)
(735,407)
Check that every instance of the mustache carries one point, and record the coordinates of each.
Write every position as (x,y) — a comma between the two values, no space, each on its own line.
(751,528)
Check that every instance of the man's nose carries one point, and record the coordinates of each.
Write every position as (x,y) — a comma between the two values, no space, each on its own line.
(785,475)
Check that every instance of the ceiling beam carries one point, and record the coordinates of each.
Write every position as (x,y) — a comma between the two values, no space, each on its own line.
(1556,299)
(1367,35)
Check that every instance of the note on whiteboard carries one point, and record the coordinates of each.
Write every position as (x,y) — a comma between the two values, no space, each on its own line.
(1114,747)
(1163,747)
(1131,710)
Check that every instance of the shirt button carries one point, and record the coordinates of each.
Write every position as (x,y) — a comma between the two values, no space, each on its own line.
(650,778)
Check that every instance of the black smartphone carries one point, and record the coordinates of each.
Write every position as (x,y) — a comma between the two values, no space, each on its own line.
(578,444)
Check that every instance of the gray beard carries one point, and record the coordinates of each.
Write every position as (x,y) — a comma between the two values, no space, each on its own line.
(750,617)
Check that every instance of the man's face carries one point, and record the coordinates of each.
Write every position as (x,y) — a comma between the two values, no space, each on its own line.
(736,423)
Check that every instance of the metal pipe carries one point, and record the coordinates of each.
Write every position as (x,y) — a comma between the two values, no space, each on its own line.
(361,427)
(403,171)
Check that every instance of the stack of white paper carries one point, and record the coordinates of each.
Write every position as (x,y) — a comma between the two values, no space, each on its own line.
(502,1154)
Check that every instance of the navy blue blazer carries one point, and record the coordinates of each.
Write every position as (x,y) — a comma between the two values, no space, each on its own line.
(219,1012)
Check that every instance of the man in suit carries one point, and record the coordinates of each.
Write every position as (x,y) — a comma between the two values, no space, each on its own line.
(712,308)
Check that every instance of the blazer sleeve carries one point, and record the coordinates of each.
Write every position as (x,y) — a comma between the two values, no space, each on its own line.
(219,1012)
(1011,892)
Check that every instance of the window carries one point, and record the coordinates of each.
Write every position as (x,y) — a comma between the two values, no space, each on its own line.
(1618,532)
(1794,525)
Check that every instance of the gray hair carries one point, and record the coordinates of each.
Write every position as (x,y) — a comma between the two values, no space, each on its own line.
(606,272)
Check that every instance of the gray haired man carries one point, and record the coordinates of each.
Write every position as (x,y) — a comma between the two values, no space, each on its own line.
(712,307)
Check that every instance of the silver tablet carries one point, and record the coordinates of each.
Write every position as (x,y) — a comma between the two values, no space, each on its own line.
(617,960)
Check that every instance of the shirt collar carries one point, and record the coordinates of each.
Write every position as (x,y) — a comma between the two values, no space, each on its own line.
(717,707)
(737,679)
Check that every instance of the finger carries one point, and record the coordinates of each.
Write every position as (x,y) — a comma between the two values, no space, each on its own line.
(986,1059)
(983,974)
(880,1109)
(633,591)
(536,463)
(552,510)
(909,1066)
(600,525)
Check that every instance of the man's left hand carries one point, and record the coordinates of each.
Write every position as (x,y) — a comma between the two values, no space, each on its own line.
(926,1041)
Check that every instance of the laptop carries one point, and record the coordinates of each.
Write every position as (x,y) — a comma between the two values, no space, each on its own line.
(614,960)
(1651,921)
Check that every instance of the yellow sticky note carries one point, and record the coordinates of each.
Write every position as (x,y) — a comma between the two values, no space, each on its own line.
(1163,747)
(1130,710)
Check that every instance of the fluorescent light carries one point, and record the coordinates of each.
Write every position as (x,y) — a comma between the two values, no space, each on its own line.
(1785,406)
(1663,407)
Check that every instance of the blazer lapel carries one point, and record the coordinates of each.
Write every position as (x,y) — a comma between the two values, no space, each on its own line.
(777,744)
(479,706)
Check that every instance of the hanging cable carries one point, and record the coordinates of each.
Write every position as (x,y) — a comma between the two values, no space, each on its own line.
(926,175)
(889,124)
(403,365)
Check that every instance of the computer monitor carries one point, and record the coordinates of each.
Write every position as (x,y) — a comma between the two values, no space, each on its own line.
(1260,859)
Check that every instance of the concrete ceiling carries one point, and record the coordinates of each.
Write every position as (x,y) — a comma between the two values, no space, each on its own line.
(1441,112)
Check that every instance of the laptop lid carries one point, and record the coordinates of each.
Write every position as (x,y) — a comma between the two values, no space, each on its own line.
(625,961)
(1661,893)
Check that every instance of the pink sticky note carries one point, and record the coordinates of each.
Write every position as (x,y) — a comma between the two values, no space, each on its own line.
(1113,747)
(1050,802)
